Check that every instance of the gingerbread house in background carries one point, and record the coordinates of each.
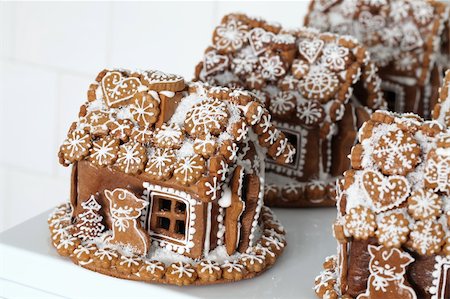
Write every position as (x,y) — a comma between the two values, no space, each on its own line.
(407,39)
(319,88)
(165,171)
(393,224)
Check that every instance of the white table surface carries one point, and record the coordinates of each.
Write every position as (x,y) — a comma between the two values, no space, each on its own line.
(31,268)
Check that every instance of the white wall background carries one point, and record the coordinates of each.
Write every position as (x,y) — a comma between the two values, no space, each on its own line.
(51,52)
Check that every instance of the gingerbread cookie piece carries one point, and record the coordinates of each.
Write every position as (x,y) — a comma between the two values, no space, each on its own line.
(427,237)
(168,136)
(424,205)
(125,209)
(233,270)
(118,89)
(75,147)
(162,82)
(189,169)
(209,271)
(131,158)
(396,153)
(104,151)
(152,270)
(393,230)
(360,223)
(145,109)
(208,117)
(230,36)
(181,274)
(121,129)
(161,163)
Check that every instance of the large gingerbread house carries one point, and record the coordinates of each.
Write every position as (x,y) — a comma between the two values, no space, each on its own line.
(319,89)
(407,39)
(165,171)
(393,224)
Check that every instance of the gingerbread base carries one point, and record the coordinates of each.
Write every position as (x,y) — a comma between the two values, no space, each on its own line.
(100,256)
(292,194)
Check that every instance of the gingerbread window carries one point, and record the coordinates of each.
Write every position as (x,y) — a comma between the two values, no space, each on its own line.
(168,216)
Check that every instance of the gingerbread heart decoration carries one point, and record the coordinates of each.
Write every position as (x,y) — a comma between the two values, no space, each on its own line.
(214,62)
(260,40)
(385,192)
(118,90)
(310,49)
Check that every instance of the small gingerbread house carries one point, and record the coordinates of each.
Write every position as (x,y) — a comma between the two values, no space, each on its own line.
(393,224)
(165,169)
(319,89)
(407,39)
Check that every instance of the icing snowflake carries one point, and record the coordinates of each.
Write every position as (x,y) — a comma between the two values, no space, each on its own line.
(168,136)
(360,223)
(142,135)
(153,266)
(232,266)
(264,250)
(182,269)
(212,189)
(145,110)
(104,151)
(230,36)
(396,153)
(265,122)
(105,253)
(189,169)
(335,57)
(424,204)
(76,146)
(223,171)
(209,266)
(393,230)
(423,12)
(310,112)
(66,241)
(129,261)
(282,104)
(273,242)
(244,63)
(130,157)
(271,67)
(160,163)
(427,237)
(273,134)
(242,132)
(252,258)
(209,116)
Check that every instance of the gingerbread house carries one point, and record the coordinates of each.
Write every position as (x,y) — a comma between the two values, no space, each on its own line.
(407,39)
(168,180)
(318,87)
(393,224)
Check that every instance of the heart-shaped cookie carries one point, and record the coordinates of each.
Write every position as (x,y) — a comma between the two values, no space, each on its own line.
(118,90)
(260,40)
(214,62)
(385,192)
(310,49)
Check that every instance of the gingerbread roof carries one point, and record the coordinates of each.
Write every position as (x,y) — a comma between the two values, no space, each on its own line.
(398,188)
(403,36)
(155,124)
(301,75)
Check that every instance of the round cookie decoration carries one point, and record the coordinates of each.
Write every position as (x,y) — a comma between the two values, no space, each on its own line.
(167,181)
(393,227)
(318,87)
